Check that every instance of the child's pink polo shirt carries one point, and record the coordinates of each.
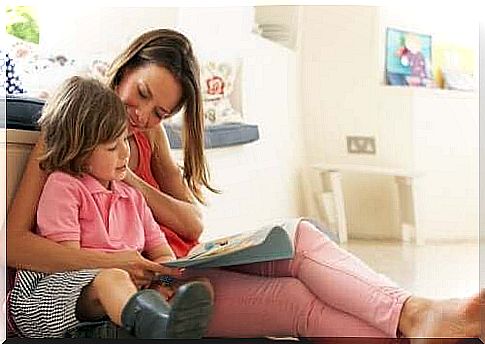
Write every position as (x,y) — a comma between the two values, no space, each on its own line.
(81,209)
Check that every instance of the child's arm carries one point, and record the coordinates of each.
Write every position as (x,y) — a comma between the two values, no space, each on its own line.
(160,254)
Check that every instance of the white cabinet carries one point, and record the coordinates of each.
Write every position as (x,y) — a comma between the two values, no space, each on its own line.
(439,136)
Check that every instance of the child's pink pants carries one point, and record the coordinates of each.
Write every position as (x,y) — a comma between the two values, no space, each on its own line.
(323,291)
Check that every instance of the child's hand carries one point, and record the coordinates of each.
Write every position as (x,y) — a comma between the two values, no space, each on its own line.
(166,291)
(141,270)
(166,259)
(165,285)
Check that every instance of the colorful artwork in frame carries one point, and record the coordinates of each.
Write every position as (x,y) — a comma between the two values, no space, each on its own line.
(408,59)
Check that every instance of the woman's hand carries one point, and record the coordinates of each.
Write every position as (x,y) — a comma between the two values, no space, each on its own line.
(141,270)
(181,216)
(129,177)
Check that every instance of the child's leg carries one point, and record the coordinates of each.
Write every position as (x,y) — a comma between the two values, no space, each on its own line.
(108,294)
(145,313)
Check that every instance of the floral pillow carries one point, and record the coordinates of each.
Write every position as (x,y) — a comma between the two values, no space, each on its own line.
(45,73)
(40,73)
(217,81)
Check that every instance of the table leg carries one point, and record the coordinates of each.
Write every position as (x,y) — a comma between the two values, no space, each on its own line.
(408,216)
(332,181)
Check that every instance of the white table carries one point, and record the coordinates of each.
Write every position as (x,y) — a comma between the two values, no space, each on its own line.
(331,182)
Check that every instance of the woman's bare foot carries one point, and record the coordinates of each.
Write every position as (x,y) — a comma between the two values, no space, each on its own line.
(454,318)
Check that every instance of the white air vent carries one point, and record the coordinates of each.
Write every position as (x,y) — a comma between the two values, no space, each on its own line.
(275,32)
(277,23)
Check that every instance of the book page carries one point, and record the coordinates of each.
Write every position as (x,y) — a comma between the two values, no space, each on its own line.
(227,244)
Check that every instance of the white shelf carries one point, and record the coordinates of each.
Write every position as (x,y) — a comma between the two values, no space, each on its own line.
(366,169)
(428,92)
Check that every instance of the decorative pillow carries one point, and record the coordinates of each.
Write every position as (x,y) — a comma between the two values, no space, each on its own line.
(44,74)
(97,69)
(9,80)
(41,73)
(217,81)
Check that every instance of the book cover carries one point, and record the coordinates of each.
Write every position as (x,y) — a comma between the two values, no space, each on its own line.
(271,242)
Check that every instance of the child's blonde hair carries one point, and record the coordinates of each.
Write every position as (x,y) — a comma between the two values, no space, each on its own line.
(82,114)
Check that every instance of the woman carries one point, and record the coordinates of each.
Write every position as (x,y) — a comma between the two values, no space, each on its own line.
(323,291)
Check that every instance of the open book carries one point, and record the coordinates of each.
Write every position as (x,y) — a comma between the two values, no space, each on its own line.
(271,242)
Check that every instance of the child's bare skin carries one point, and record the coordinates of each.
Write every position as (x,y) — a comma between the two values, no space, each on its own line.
(168,289)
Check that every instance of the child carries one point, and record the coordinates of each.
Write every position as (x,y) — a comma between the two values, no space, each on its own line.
(85,204)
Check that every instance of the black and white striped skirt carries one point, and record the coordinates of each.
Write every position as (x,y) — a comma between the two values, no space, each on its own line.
(44,305)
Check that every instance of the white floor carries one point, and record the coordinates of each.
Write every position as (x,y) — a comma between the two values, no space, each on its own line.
(434,270)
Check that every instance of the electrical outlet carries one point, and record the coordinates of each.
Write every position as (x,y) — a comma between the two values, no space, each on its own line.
(361,144)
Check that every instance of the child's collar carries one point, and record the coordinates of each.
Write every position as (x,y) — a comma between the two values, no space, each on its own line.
(95,186)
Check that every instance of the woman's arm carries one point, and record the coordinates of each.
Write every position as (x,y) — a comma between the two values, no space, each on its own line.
(173,206)
(73,244)
(28,250)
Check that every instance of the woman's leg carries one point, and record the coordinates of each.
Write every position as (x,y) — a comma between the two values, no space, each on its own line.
(344,282)
(255,306)
(339,279)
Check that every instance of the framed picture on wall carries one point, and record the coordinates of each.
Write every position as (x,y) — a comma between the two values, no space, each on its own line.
(408,58)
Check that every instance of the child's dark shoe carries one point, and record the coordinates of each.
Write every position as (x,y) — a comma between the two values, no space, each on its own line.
(148,315)
(191,310)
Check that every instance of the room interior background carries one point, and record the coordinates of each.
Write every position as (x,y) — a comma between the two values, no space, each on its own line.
(310,77)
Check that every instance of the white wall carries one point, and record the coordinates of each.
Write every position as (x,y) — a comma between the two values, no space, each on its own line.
(260,180)
(217,31)
(339,83)
(86,31)
(456,23)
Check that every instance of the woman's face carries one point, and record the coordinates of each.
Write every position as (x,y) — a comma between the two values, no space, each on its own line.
(150,94)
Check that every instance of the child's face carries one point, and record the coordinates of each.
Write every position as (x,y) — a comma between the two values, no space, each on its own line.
(109,161)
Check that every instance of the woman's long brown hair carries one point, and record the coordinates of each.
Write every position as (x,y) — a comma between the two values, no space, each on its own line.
(173,51)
